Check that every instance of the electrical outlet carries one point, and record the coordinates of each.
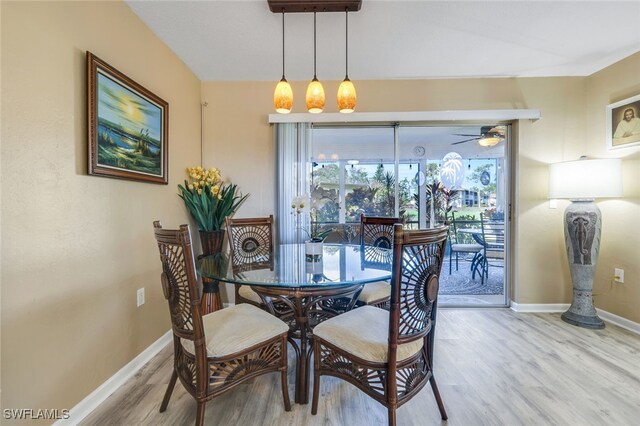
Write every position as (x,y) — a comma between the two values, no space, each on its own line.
(140,296)
(618,274)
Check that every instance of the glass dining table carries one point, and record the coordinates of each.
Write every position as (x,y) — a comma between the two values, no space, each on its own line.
(303,290)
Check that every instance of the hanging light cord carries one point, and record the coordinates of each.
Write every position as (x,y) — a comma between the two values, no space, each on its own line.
(283,44)
(314,45)
(346,44)
(203,105)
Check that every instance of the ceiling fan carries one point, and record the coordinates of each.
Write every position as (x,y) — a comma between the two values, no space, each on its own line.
(489,136)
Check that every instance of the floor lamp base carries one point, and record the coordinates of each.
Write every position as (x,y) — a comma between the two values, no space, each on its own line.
(593,322)
(582,225)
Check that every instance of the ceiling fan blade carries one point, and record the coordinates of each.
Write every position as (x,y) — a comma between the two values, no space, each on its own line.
(462,134)
(466,140)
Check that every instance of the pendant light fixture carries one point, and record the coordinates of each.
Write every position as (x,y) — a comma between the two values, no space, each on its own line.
(315,97)
(346,92)
(315,91)
(283,95)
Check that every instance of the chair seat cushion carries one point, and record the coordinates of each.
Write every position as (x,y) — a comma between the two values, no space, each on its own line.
(470,248)
(364,332)
(237,328)
(373,292)
(248,293)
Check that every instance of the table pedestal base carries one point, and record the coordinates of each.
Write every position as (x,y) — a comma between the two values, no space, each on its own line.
(302,310)
(211,300)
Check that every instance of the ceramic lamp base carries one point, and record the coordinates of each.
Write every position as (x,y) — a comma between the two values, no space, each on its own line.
(582,225)
(586,321)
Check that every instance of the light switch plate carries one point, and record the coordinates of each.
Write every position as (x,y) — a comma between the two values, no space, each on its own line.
(140,296)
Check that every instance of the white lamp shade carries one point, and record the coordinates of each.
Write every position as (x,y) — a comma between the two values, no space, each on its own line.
(586,179)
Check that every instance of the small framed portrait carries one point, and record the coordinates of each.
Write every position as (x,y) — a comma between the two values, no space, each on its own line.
(623,123)
(128,126)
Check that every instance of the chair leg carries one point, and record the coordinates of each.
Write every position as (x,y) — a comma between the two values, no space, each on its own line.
(169,391)
(285,390)
(283,375)
(474,261)
(316,378)
(392,416)
(450,256)
(200,413)
(436,393)
(484,270)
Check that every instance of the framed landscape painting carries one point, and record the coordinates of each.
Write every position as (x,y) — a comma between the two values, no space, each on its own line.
(623,123)
(128,126)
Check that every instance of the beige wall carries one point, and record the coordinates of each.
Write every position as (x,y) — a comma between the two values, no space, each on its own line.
(239,140)
(76,247)
(1,405)
(620,245)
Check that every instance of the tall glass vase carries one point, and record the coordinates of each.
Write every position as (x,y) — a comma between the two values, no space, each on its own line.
(212,242)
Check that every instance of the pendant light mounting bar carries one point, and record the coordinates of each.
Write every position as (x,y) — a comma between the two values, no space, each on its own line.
(308,6)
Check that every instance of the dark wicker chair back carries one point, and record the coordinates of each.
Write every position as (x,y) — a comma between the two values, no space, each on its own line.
(250,239)
(251,246)
(377,231)
(418,257)
(179,283)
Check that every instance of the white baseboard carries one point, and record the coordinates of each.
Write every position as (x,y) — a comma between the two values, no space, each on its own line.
(561,307)
(98,396)
(539,307)
(619,321)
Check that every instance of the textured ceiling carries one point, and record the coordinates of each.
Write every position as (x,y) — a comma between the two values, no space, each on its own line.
(241,40)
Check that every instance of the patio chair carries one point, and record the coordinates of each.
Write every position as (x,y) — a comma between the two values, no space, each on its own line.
(250,242)
(214,353)
(492,248)
(455,247)
(389,354)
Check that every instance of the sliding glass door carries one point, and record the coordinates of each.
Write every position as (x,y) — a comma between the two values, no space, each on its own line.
(425,175)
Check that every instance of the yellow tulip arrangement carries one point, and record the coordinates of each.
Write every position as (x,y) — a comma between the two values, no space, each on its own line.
(208,198)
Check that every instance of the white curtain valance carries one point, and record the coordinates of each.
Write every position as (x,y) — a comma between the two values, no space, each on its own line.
(489,115)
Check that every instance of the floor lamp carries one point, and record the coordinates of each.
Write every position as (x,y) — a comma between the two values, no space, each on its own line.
(582,181)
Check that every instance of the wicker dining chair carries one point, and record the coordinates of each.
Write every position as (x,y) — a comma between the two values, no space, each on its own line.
(216,352)
(376,232)
(250,242)
(389,355)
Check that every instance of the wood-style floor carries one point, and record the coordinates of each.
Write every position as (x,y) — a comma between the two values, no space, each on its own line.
(493,367)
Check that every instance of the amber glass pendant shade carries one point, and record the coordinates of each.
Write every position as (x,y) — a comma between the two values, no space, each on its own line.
(283,97)
(347,97)
(315,91)
(346,92)
(315,97)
